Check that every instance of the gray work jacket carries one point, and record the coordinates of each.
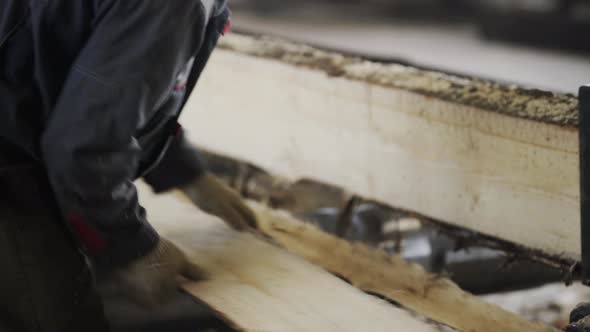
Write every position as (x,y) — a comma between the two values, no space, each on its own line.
(92,90)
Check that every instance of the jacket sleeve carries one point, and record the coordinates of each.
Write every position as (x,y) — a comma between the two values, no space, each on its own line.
(181,164)
(120,77)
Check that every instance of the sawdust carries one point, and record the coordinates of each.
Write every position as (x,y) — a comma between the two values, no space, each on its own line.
(512,100)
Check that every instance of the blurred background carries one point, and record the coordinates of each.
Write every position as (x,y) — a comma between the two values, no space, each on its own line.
(536,43)
(540,44)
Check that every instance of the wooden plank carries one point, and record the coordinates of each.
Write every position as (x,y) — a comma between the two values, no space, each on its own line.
(392,277)
(259,287)
(421,141)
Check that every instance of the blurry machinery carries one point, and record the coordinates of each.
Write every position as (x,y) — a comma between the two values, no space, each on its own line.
(477,264)
(475,267)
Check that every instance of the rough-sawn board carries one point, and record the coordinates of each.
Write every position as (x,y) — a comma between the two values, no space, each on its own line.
(497,159)
(376,272)
(259,287)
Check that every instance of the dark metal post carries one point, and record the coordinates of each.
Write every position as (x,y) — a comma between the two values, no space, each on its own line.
(584,129)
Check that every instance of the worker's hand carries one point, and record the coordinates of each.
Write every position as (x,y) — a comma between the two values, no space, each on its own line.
(213,196)
(153,279)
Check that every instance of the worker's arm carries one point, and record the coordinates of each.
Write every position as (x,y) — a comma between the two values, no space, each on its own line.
(181,166)
(124,73)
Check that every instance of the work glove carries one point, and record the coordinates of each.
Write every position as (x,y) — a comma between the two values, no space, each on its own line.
(153,279)
(583,325)
(580,318)
(214,197)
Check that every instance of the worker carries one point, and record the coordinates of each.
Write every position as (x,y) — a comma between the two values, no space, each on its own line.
(90,94)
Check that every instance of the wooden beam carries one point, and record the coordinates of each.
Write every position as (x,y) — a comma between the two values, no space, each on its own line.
(496,159)
(258,287)
(376,272)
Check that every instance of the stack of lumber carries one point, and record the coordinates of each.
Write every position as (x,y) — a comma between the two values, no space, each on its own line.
(499,160)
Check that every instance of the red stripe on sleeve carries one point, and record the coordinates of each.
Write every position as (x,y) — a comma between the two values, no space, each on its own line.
(89,236)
